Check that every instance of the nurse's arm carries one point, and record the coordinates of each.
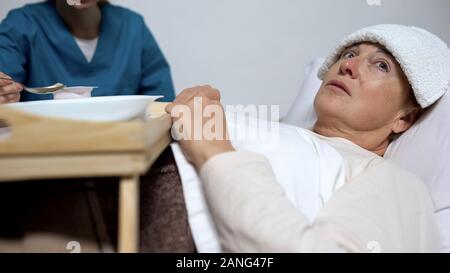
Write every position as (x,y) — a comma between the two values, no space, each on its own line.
(16,32)
(156,77)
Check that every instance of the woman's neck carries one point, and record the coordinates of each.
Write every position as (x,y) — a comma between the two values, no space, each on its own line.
(83,24)
(374,141)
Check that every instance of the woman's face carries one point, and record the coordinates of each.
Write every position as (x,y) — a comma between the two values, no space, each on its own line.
(364,90)
(82,4)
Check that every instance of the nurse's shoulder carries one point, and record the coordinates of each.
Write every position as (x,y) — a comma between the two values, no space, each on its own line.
(29,11)
(26,19)
(122,13)
(130,24)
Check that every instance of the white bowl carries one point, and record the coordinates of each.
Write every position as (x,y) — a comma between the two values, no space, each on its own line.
(108,108)
(74,92)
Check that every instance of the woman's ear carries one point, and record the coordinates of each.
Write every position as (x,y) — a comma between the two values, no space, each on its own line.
(406,120)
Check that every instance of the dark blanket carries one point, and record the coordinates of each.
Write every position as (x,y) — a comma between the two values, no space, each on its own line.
(86,209)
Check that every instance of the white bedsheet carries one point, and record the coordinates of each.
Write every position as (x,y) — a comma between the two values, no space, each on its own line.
(307,168)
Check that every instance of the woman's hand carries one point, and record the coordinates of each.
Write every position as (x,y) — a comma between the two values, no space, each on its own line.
(9,90)
(199,124)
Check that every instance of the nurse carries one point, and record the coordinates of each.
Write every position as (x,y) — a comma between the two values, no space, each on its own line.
(93,43)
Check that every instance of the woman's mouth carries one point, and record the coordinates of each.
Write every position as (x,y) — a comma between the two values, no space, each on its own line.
(338,85)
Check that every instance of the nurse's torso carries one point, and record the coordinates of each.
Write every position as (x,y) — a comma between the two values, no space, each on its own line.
(54,55)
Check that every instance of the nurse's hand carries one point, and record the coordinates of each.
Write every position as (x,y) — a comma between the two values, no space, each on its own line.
(205,137)
(9,90)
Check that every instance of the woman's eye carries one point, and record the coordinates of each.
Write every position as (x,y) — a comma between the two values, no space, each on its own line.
(347,55)
(383,66)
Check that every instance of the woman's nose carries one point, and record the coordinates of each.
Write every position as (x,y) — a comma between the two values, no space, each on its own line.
(350,67)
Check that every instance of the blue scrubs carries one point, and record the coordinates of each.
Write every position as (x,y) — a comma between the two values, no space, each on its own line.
(37,49)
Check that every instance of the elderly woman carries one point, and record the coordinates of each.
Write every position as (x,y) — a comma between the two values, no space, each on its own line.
(93,43)
(375,85)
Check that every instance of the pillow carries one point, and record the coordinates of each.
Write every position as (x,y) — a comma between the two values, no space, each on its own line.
(302,112)
(423,150)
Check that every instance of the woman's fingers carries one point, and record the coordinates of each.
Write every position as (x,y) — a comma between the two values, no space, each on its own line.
(198,91)
(198,117)
(189,94)
(199,124)
(170,106)
(190,103)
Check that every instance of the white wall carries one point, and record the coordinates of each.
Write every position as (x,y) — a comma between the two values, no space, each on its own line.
(254,51)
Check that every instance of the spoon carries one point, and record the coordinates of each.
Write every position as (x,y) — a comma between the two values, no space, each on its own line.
(41,90)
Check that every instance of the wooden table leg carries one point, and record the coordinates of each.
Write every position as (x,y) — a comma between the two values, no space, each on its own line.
(129,215)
